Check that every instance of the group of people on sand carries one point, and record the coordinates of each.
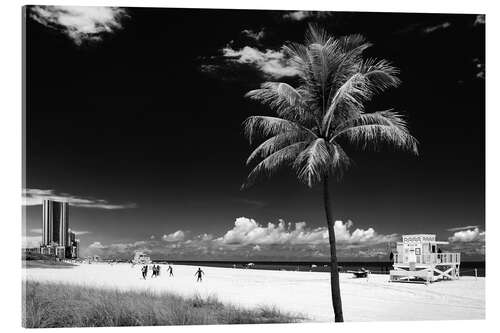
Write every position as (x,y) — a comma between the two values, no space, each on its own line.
(156,272)
(154,268)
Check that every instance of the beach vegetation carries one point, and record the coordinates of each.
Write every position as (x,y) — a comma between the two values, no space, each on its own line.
(48,305)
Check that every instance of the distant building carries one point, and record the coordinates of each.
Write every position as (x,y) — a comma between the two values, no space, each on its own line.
(55,220)
(32,250)
(61,252)
(75,250)
(49,250)
(72,248)
(57,239)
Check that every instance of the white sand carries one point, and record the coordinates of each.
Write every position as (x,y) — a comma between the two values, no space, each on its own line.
(308,293)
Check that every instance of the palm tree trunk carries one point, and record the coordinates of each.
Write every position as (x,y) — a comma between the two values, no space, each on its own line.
(334,272)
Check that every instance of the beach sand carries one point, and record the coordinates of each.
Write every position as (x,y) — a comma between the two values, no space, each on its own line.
(307,293)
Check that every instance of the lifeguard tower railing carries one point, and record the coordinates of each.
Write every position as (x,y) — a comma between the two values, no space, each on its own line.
(430,259)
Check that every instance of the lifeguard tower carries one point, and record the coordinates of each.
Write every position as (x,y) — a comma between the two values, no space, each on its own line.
(419,259)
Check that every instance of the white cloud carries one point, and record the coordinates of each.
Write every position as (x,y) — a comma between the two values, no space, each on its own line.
(463,228)
(177,236)
(257,36)
(300,15)
(270,62)
(152,237)
(344,235)
(32,197)
(96,245)
(81,232)
(480,19)
(80,23)
(437,27)
(466,236)
(248,231)
(120,247)
(249,238)
(205,237)
(297,15)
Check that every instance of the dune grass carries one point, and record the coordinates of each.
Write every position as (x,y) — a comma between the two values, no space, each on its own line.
(63,305)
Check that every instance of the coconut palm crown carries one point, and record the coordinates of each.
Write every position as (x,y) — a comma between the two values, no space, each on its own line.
(326,110)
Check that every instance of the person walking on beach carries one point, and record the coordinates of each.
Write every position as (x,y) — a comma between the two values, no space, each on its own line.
(144,272)
(199,273)
(153,268)
(170,271)
(157,270)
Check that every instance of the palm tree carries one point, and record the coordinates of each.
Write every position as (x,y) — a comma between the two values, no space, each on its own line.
(325,112)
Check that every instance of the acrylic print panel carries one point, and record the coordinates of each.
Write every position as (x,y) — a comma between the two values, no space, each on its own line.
(197,166)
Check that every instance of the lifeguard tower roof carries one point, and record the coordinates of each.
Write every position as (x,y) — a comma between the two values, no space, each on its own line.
(421,238)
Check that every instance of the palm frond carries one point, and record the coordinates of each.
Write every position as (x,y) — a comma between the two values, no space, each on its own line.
(354,42)
(279,96)
(386,117)
(298,57)
(381,74)
(375,129)
(373,76)
(313,161)
(350,59)
(272,162)
(277,142)
(264,126)
(316,35)
(340,160)
(350,97)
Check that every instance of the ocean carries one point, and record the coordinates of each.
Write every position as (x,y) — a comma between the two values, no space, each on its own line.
(467,268)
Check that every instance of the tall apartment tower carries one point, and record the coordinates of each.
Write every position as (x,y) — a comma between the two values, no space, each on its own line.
(55,222)
(72,249)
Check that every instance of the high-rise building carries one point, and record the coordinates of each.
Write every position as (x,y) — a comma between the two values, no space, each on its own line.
(72,246)
(55,220)
(57,238)
(75,249)
(71,237)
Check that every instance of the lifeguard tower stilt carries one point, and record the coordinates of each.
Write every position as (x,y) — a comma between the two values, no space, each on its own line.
(418,259)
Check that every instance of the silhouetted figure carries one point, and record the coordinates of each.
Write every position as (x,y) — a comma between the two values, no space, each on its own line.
(199,273)
(157,270)
(144,272)
(170,271)
(391,257)
(439,250)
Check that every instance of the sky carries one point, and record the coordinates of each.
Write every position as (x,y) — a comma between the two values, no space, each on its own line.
(134,116)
